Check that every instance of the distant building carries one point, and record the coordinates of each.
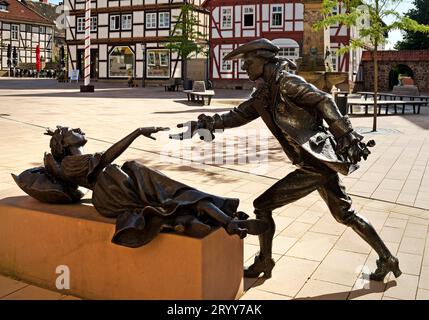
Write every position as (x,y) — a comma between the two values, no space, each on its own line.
(24,29)
(128,38)
(55,14)
(236,22)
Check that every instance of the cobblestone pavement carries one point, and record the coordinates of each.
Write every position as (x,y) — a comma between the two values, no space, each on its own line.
(317,258)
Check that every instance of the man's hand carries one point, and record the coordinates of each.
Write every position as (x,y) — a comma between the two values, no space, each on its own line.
(351,146)
(148,131)
(201,127)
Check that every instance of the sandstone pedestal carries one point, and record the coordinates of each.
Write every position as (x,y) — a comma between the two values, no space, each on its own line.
(406,90)
(314,65)
(36,238)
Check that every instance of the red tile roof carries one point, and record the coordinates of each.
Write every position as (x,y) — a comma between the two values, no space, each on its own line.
(19,12)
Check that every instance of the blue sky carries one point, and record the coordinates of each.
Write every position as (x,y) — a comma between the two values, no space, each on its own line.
(394,36)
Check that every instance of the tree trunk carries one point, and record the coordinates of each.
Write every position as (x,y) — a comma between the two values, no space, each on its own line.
(185,67)
(375,59)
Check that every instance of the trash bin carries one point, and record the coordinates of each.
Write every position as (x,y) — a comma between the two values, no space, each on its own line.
(341,101)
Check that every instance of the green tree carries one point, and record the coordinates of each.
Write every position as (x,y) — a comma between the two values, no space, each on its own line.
(416,40)
(186,39)
(372,36)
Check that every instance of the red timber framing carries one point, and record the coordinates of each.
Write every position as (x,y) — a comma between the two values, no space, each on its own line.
(226,37)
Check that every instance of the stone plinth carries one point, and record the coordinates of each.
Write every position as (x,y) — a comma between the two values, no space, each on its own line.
(36,238)
(406,90)
(315,43)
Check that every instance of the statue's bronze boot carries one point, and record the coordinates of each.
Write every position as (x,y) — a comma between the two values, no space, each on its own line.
(384,266)
(260,265)
(243,227)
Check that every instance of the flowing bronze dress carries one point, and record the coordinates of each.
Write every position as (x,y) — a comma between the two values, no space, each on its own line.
(139,198)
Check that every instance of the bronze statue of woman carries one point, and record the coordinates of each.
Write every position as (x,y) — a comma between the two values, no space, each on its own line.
(143,201)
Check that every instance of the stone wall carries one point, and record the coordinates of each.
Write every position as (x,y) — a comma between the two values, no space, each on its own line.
(416,60)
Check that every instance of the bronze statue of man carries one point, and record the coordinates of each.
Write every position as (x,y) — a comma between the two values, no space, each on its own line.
(294,111)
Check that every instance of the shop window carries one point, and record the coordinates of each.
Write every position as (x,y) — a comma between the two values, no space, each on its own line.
(158,63)
(121,62)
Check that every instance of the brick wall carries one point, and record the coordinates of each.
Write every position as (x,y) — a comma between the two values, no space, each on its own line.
(416,60)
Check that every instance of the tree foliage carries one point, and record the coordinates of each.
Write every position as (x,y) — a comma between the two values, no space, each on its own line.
(186,39)
(416,40)
(370,35)
(376,11)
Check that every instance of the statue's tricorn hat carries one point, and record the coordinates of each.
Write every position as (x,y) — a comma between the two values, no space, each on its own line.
(255,45)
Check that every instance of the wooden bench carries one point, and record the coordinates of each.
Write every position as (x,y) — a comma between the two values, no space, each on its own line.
(392,96)
(199,93)
(173,84)
(386,104)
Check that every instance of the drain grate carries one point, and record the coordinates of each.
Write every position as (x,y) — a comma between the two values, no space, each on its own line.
(380,131)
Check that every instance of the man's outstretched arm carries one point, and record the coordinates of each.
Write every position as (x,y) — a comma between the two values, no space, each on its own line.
(238,116)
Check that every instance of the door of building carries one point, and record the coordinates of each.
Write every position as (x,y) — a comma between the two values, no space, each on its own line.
(94,63)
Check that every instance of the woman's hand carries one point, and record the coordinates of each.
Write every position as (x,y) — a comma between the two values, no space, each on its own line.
(147,131)
(51,166)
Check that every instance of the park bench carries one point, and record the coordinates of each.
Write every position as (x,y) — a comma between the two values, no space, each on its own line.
(199,93)
(386,104)
(173,84)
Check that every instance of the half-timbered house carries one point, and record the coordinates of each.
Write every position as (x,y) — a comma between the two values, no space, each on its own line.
(23,29)
(233,23)
(128,37)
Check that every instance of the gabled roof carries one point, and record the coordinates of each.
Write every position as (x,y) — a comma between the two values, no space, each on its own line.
(19,12)
(48,11)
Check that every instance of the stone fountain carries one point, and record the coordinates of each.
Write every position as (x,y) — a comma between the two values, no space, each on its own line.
(314,66)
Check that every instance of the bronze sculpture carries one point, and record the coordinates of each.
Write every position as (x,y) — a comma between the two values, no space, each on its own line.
(143,201)
(294,111)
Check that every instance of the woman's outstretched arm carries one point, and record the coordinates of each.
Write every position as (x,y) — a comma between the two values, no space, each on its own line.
(119,147)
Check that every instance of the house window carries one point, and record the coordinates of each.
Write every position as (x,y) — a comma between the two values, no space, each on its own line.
(241,64)
(334,59)
(226,64)
(249,16)
(164,20)
(42,29)
(151,20)
(94,24)
(288,52)
(121,62)
(115,22)
(126,22)
(14,31)
(158,63)
(28,28)
(163,59)
(151,58)
(226,18)
(80,24)
(3,7)
(277,15)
